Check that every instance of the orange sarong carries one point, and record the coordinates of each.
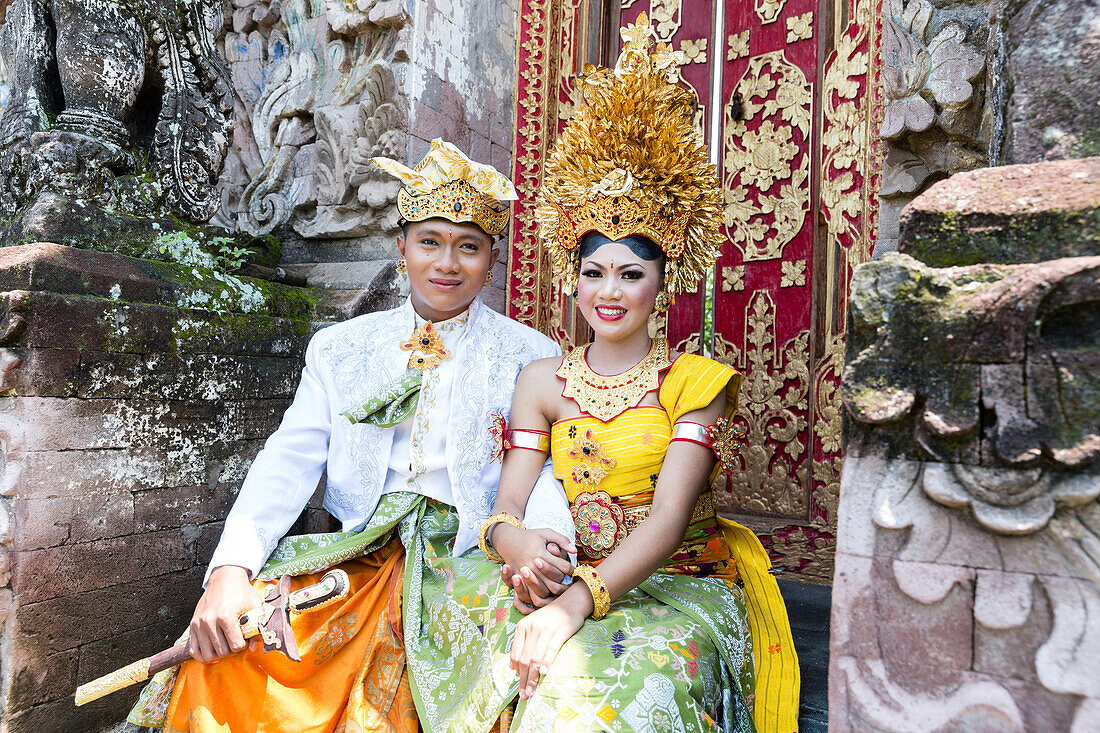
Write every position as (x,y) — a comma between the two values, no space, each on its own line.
(352,677)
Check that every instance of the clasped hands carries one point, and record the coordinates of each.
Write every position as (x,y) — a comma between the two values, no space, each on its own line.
(536,564)
(535,567)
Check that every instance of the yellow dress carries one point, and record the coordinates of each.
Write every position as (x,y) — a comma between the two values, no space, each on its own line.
(610,470)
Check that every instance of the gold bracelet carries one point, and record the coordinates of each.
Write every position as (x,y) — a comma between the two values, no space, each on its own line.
(483,537)
(601,599)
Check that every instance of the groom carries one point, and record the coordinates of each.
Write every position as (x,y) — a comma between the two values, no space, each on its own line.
(394,405)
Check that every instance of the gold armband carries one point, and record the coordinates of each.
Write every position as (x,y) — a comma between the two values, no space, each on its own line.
(601,599)
(723,437)
(538,440)
(483,537)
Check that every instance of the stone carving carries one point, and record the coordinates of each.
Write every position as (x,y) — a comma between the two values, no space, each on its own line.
(116,107)
(932,107)
(970,494)
(317,97)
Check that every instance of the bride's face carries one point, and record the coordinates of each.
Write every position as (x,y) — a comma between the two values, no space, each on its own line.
(616,290)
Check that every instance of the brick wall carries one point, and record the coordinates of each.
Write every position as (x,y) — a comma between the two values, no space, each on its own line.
(134,396)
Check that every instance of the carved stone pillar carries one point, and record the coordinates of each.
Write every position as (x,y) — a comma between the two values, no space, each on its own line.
(967,589)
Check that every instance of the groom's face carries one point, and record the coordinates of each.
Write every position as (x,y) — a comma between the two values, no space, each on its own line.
(447,265)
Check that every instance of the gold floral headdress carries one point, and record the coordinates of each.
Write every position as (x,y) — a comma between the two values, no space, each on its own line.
(630,162)
(448,185)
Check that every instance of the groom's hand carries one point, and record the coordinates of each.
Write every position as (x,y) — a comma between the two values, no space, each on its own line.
(535,564)
(216,627)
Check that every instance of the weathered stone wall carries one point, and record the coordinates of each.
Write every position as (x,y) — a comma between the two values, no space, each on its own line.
(134,396)
(321,88)
(967,588)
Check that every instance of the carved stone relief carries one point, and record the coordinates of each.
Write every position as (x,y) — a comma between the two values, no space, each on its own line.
(77,135)
(317,96)
(967,590)
(933,66)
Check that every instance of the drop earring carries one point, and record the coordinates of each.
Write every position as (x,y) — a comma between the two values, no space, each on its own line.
(489,278)
(402,268)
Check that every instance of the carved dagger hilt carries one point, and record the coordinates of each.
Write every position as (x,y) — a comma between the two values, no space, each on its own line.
(270,621)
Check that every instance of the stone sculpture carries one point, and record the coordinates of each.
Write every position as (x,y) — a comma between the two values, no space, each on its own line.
(967,590)
(120,112)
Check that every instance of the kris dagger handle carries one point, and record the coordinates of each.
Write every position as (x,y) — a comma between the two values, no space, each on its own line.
(333,586)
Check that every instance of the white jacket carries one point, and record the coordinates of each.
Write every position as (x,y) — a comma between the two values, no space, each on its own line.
(345,365)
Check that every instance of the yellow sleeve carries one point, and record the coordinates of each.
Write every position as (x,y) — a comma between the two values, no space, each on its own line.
(694,381)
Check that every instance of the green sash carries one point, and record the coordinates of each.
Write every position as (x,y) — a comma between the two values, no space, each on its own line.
(393,404)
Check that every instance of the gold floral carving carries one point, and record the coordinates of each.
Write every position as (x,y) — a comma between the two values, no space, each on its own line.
(737,45)
(766,163)
(810,554)
(546,95)
(849,153)
(775,402)
(667,16)
(793,274)
(827,373)
(800,27)
(727,352)
(695,50)
(690,345)
(733,278)
(768,10)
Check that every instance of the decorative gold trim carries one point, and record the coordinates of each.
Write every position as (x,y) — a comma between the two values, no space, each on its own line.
(456,201)
(605,397)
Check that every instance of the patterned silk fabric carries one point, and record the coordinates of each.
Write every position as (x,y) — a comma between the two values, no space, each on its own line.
(352,676)
(625,455)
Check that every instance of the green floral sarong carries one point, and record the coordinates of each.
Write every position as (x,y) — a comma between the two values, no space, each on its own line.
(673,654)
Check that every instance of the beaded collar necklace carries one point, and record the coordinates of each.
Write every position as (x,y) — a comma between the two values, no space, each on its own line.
(607,397)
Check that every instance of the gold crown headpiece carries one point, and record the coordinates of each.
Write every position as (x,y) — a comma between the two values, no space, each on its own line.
(448,185)
(631,162)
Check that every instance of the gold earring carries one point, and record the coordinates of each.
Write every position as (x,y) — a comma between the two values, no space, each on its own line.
(663,302)
(489,277)
(402,268)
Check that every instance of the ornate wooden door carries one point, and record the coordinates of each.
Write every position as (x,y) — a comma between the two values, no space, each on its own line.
(789,102)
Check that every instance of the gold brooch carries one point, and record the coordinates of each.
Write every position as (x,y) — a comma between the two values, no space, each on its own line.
(427,347)
(727,440)
(600,523)
(593,462)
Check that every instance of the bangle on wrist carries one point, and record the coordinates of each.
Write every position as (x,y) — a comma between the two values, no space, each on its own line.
(601,599)
(483,536)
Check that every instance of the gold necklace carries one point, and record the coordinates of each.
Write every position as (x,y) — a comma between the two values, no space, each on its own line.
(606,397)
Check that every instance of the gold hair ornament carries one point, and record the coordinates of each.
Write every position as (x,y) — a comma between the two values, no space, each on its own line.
(631,162)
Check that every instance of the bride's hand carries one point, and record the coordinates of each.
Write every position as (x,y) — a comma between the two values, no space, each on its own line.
(535,561)
(539,637)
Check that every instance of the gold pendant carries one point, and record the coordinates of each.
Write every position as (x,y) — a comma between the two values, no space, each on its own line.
(607,397)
